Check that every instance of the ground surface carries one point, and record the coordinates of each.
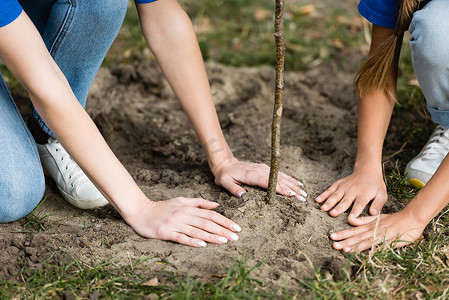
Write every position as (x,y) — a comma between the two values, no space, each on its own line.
(143,123)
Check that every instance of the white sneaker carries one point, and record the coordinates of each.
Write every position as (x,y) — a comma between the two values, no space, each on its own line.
(421,168)
(73,184)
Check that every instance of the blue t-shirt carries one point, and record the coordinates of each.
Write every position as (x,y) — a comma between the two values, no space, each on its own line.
(11,9)
(380,12)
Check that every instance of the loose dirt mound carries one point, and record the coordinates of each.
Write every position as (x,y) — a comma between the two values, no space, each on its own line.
(144,124)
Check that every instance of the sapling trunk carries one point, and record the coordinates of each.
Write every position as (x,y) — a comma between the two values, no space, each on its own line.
(278,98)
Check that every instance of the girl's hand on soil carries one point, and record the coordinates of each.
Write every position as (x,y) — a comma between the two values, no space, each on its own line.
(400,227)
(359,189)
(186,221)
(231,173)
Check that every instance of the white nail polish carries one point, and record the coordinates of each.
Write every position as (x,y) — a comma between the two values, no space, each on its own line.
(240,193)
(202,244)
(217,204)
(222,239)
(347,249)
(303,193)
(237,227)
(302,198)
(233,236)
(300,183)
(291,193)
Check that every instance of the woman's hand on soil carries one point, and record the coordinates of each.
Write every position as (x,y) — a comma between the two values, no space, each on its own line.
(232,173)
(188,221)
(399,227)
(359,189)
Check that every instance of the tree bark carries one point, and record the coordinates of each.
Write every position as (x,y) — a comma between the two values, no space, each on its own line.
(278,99)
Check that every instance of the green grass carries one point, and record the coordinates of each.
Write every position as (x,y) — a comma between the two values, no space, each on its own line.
(415,272)
(73,278)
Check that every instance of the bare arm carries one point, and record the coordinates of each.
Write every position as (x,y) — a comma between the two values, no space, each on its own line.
(170,35)
(407,225)
(187,221)
(366,182)
(29,61)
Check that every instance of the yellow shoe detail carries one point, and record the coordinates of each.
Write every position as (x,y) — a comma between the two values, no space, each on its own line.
(417,183)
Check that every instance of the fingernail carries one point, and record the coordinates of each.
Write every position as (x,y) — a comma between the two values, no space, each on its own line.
(318,199)
(337,246)
(374,211)
(202,244)
(303,193)
(324,207)
(347,249)
(240,193)
(333,236)
(302,198)
(222,240)
(236,227)
(300,183)
(291,193)
(352,216)
(217,204)
(233,236)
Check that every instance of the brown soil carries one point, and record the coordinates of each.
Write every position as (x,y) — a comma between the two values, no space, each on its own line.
(145,126)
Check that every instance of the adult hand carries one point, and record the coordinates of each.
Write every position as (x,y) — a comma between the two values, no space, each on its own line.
(359,189)
(231,173)
(400,227)
(186,221)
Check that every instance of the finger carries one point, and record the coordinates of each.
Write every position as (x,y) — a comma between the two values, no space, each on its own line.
(378,203)
(347,233)
(344,204)
(327,192)
(359,206)
(217,218)
(364,242)
(291,179)
(355,221)
(211,231)
(332,200)
(357,242)
(185,240)
(287,188)
(228,183)
(204,234)
(200,203)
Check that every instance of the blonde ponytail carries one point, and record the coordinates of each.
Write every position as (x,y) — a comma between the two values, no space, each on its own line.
(375,71)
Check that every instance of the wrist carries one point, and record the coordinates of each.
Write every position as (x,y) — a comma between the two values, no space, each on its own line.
(368,165)
(131,209)
(217,152)
(421,210)
(216,168)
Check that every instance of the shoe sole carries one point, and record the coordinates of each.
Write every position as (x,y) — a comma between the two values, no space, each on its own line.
(83,204)
(416,183)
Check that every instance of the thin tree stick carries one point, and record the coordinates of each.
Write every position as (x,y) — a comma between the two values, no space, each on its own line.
(279,96)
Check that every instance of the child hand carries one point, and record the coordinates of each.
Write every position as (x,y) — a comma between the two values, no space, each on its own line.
(400,226)
(232,173)
(186,221)
(358,188)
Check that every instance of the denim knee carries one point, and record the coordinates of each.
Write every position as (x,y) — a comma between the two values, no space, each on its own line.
(105,16)
(20,193)
(429,31)
(430,56)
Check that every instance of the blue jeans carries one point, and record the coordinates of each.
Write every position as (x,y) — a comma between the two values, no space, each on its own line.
(77,33)
(429,42)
